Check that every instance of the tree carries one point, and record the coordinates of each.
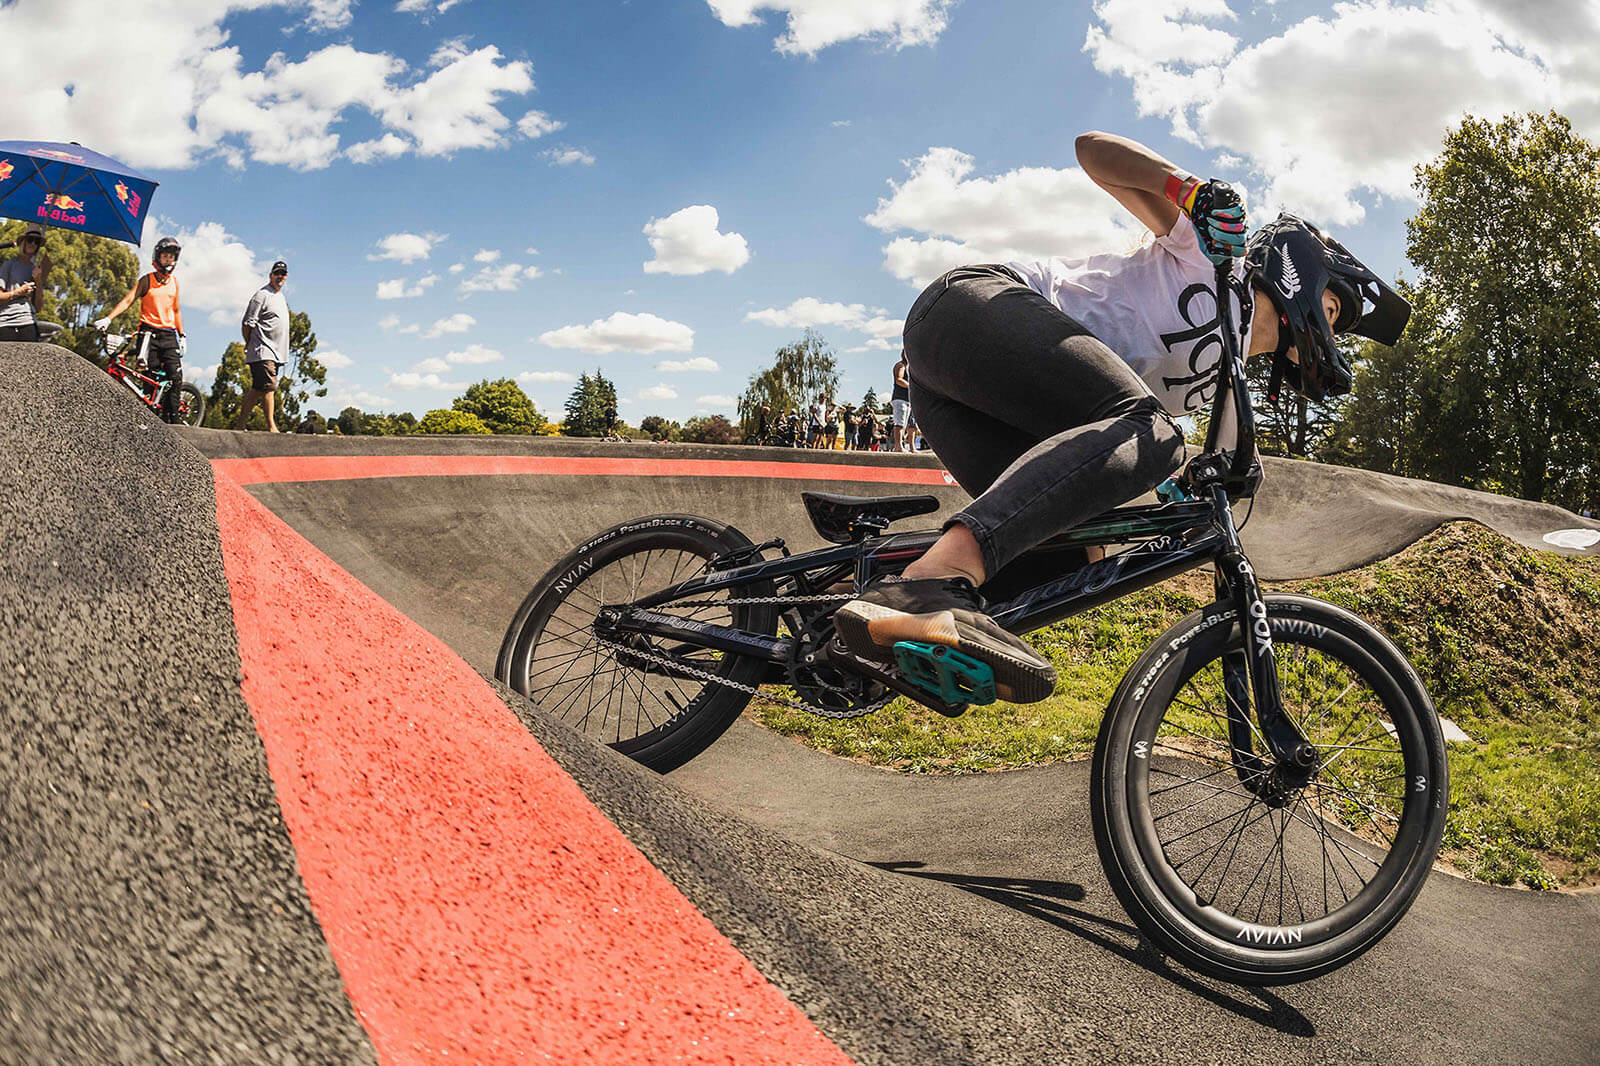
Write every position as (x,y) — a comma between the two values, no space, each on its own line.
(1508,245)
(1293,426)
(592,407)
(350,421)
(502,405)
(442,421)
(869,401)
(713,430)
(799,373)
(90,274)
(300,371)
(658,428)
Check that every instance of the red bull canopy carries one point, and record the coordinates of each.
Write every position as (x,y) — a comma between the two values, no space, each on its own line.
(69,186)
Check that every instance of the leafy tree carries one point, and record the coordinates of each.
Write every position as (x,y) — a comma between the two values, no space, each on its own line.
(502,405)
(711,430)
(1508,244)
(350,421)
(312,423)
(800,372)
(405,422)
(442,421)
(869,401)
(658,428)
(592,407)
(1294,426)
(296,377)
(90,274)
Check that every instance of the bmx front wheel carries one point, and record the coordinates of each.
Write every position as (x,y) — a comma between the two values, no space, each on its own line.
(1245,874)
(191,405)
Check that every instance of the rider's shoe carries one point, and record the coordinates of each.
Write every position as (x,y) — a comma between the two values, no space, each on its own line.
(945,611)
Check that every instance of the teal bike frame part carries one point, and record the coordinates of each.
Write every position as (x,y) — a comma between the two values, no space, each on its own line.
(945,672)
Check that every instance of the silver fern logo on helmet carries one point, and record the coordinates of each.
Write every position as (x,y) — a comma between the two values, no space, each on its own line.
(1289,277)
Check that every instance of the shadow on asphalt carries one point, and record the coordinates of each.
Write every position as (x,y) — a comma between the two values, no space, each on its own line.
(1047,901)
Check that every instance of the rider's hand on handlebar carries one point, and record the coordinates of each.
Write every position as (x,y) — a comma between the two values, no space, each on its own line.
(101,324)
(1217,213)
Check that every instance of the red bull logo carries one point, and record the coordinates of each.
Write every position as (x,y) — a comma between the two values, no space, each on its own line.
(5,169)
(56,153)
(129,198)
(58,207)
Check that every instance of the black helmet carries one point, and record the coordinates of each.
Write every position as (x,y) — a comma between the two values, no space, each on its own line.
(1292,262)
(166,244)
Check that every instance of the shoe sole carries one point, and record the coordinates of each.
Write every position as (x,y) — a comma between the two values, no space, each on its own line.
(871,631)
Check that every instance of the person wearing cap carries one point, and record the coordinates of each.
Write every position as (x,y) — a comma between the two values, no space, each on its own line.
(22,282)
(266,344)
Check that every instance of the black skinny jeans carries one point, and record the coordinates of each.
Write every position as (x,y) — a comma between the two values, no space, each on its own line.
(1042,423)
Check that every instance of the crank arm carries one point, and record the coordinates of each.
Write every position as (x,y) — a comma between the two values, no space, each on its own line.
(836,653)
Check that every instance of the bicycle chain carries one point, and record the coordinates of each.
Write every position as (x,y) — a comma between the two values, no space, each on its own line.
(832,597)
(717,679)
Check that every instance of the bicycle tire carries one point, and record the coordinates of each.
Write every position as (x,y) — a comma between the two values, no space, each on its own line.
(1155,734)
(692,714)
(191,405)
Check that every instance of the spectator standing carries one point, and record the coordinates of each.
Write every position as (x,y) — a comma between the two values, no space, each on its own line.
(867,430)
(814,426)
(22,287)
(900,405)
(830,427)
(266,344)
(160,334)
(849,420)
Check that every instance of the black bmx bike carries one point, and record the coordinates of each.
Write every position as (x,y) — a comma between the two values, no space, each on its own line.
(1269,785)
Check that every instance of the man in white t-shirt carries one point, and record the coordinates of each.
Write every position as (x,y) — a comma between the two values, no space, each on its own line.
(1049,388)
(266,345)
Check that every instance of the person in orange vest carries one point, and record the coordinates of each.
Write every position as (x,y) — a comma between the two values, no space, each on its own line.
(160,334)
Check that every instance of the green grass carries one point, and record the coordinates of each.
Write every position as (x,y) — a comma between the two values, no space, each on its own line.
(1503,637)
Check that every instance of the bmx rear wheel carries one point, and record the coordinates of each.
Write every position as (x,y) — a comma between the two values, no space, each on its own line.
(1239,872)
(656,714)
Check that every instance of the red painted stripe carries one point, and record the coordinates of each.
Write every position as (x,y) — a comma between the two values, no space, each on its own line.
(479,908)
(345,467)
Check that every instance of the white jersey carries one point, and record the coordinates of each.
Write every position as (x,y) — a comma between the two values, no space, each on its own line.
(1155,307)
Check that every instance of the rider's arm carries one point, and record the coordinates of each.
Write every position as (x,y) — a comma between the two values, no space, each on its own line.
(1133,174)
(252,311)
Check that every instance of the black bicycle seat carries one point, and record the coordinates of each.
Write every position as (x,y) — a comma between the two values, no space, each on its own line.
(843,519)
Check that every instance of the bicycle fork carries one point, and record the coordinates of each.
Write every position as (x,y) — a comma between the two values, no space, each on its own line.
(1253,672)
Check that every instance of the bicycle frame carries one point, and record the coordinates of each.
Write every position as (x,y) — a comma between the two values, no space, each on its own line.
(1166,540)
(149,391)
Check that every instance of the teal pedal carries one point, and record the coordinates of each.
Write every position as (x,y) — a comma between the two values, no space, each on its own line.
(945,672)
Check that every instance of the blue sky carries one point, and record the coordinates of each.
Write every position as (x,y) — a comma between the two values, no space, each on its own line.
(492,168)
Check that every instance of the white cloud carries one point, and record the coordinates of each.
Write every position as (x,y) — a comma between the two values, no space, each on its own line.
(716,400)
(388,323)
(815,24)
(532,377)
(530,251)
(161,85)
(406,247)
(678,366)
(566,157)
(396,289)
(218,273)
(658,392)
(412,328)
(457,323)
(840,123)
(486,255)
(882,327)
(456,268)
(431,366)
(473,354)
(536,124)
(623,332)
(339,398)
(410,379)
(1336,109)
(533,272)
(505,277)
(333,359)
(687,242)
(810,311)
(1030,211)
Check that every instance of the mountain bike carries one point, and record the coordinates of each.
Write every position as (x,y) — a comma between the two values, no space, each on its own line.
(126,361)
(1269,784)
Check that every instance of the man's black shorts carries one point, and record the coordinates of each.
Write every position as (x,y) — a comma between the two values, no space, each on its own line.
(264,376)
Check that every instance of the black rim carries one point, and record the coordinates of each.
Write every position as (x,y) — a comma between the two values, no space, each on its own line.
(601,690)
(1281,867)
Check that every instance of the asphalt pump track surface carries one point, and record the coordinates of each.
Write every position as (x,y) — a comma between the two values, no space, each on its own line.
(257,806)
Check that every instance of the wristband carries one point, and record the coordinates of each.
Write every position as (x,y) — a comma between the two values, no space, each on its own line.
(1182,190)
